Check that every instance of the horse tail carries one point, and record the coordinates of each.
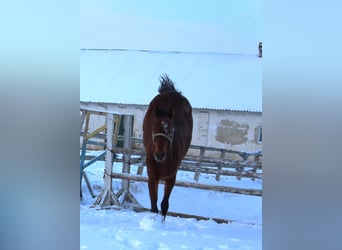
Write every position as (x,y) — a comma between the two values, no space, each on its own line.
(166,84)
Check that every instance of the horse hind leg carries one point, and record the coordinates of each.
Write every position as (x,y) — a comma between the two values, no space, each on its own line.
(169,183)
(153,191)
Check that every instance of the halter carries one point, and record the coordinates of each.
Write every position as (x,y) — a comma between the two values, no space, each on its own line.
(169,137)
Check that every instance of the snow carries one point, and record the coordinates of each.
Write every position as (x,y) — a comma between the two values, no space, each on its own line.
(233,81)
(126,229)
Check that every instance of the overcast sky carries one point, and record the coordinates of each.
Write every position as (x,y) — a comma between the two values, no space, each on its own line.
(232,26)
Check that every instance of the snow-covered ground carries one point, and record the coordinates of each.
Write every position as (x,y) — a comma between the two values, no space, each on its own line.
(126,229)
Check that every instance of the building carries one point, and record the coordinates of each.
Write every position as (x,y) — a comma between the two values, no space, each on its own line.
(218,128)
(224,90)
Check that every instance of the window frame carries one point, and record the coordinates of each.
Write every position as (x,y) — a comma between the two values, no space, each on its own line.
(259,137)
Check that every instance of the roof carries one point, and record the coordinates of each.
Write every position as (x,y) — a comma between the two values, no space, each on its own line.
(103,104)
(208,80)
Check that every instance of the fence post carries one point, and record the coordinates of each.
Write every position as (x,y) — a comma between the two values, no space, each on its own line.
(198,168)
(128,198)
(107,197)
(219,166)
(84,117)
(126,156)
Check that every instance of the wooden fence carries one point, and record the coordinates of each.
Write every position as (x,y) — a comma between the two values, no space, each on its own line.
(250,166)
(203,165)
(226,163)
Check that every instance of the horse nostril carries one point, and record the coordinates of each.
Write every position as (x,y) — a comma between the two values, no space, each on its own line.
(159,156)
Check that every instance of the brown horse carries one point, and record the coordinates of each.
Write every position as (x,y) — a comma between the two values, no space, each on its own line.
(167,133)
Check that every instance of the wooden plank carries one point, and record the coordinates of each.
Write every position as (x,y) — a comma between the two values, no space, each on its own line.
(127,120)
(188,216)
(117,121)
(223,162)
(83,115)
(96,132)
(85,176)
(129,151)
(107,197)
(83,149)
(255,192)
(241,154)
(213,170)
(140,169)
(140,209)
(94,159)
(219,166)
(188,166)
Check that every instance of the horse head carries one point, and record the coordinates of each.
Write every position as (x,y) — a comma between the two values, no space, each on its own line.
(162,137)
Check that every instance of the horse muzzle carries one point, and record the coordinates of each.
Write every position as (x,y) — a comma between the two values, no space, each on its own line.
(159,156)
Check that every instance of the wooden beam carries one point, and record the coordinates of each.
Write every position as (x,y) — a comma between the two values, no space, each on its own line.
(100,129)
(182,215)
(255,192)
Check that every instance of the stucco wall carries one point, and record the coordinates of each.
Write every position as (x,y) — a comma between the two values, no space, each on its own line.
(235,130)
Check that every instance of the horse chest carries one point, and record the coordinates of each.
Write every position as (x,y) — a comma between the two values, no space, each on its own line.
(162,171)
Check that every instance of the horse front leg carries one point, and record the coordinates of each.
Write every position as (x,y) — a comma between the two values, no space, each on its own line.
(153,191)
(169,183)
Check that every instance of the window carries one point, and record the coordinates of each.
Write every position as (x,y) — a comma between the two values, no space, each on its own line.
(260,135)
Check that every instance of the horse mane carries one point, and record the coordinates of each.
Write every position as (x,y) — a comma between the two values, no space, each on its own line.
(167,85)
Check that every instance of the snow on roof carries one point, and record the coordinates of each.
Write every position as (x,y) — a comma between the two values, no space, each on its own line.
(210,80)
